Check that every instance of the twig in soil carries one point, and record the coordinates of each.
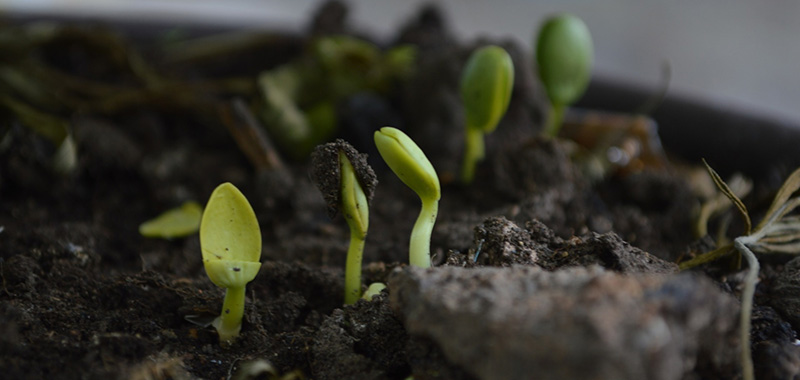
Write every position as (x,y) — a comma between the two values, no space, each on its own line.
(250,136)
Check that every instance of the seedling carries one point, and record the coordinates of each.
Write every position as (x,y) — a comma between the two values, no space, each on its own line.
(373,290)
(778,232)
(347,183)
(411,165)
(174,223)
(230,240)
(486,85)
(564,58)
(300,98)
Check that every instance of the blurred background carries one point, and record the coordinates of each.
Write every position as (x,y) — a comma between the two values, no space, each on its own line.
(737,53)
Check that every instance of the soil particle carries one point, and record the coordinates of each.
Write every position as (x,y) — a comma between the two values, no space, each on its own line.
(767,325)
(326,172)
(785,292)
(608,251)
(500,242)
(776,361)
(535,166)
(775,351)
(365,341)
(574,323)
(20,275)
(107,146)
(430,363)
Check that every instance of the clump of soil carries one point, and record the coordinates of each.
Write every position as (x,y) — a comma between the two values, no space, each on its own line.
(538,268)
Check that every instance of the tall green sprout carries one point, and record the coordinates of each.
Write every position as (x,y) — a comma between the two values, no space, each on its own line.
(347,184)
(564,58)
(411,165)
(486,85)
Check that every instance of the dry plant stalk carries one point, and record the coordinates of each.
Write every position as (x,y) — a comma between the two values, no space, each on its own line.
(776,233)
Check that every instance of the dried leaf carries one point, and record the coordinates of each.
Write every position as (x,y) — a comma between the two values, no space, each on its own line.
(50,127)
(731,195)
(718,204)
(789,249)
(789,187)
(778,215)
(706,257)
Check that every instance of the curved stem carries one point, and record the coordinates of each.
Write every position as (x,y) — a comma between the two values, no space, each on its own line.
(352,271)
(229,323)
(419,251)
(554,119)
(747,305)
(473,153)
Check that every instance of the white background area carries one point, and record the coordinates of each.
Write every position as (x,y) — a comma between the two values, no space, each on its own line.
(733,51)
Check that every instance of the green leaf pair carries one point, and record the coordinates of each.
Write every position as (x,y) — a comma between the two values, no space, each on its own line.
(230,240)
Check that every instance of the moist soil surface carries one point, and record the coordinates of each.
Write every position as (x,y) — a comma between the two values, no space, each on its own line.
(84,295)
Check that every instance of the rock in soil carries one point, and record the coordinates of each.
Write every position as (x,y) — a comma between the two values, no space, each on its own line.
(574,323)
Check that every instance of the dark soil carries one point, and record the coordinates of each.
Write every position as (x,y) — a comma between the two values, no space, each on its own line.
(84,295)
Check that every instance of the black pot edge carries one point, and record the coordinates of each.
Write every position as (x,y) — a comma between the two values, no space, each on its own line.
(730,138)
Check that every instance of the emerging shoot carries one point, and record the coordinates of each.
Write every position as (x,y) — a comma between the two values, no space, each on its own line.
(373,290)
(174,223)
(230,240)
(408,162)
(347,184)
(564,58)
(486,85)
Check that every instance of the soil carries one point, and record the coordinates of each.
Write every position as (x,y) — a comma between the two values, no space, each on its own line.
(535,260)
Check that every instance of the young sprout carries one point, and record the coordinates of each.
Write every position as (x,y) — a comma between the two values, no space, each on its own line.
(412,167)
(347,183)
(564,56)
(373,290)
(486,85)
(230,240)
(174,223)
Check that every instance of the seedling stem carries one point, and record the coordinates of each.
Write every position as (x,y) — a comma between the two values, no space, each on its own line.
(419,248)
(229,322)
(554,119)
(473,153)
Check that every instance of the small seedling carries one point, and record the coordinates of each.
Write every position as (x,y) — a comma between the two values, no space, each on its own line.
(300,98)
(347,183)
(778,232)
(230,240)
(373,290)
(174,223)
(564,58)
(411,165)
(486,85)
